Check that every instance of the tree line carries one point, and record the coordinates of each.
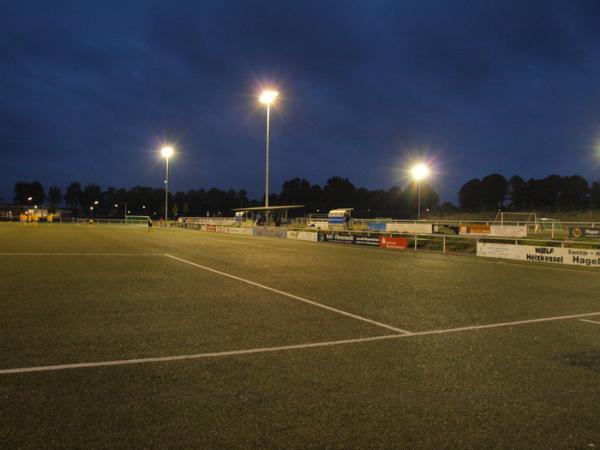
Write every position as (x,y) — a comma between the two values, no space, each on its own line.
(552,193)
(491,193)
(337,192)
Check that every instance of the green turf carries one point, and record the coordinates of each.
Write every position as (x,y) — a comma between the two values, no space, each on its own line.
(528,386)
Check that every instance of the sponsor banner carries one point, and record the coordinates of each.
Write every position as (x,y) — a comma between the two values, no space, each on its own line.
(336,238)
(212,228)
(518,231)
(442,228)
(348,239)
(366,240)
(269,232)
(376,226)
(302,235)
(579,232)
(393,242)
(553,255)
(476,230)
(512,231)
(221,229)
(239,230)
(412,228)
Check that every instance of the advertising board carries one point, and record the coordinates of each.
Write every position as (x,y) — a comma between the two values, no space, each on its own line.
(269,232)
(366,240)
(512,231)
(398,243)
(553,255)
(475,230)
(336,238)
(348,239)
(239,230)
(580,232)
(376,226)
(302,235)
(411,228)
(516,231)
(443,228)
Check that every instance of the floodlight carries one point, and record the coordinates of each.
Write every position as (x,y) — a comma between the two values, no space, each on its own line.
(268,96)
(166,152)
(419,172)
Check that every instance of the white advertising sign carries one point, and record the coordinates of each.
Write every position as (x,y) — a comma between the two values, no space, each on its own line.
(302,235)
(239,230)
(553,255)
(517,231)
(413,228)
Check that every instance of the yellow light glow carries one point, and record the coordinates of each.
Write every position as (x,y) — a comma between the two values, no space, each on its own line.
(167,152)
(268,96)
(419,172)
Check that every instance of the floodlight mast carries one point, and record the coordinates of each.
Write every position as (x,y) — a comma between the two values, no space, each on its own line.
(267,97)
(419,172)
(166,153)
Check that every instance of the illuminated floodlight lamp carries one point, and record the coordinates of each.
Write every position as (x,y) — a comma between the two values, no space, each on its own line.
(166,152)
(419,172)
(268,96)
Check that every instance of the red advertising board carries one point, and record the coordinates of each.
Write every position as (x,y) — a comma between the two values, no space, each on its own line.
(393,242)
(212,228)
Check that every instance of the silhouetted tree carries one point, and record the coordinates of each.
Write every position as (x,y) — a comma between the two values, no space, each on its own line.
(595,194)
(575,194)
(338,192)
(493,190)
(90,194)
(24,190)
(73,195)
(295,191)
(518,193)
(469,196)
(54,197)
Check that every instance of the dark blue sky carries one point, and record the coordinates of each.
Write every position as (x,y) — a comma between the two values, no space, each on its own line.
(90,89)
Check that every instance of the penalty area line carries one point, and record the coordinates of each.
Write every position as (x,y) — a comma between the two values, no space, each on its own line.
(292,296)
(590,321)
(123,362)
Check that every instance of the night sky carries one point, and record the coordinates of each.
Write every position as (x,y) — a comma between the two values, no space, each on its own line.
(90,90)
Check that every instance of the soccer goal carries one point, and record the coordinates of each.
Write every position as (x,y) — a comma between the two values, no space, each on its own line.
(140,220)
(515,218)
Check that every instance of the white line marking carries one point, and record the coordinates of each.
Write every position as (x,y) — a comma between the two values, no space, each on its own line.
(194,356)
(520,263)
(590,321)
(287,294)
(81,254)
(124,362)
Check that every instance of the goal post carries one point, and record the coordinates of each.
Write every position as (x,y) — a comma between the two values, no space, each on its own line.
(516,218)
(141,220)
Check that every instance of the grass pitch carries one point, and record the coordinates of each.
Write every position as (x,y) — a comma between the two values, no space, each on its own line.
(254,342)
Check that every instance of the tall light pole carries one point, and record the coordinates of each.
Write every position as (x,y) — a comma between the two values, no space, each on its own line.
(419,173)
(166,153)
(267,97)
